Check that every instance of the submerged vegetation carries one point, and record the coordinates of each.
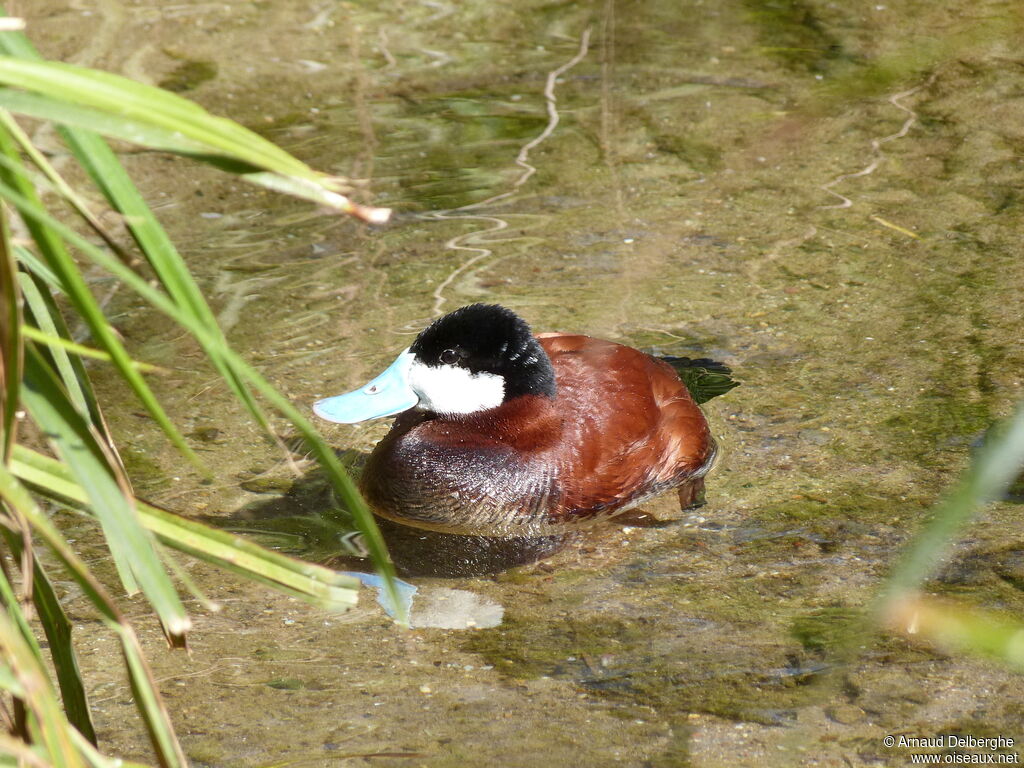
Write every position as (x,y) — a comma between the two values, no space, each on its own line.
(57,451)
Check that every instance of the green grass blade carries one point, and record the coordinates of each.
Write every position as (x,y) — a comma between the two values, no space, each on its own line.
(17,754)
(57,628)
(113,125)
(96,760)
(47,726)
(957,628)
(313,583)
(55,342)
(55,414)
(10,341)
(10,601)
(52,248)
(14,491)
(130,544)
(48,475)
(143,683)
(149,703)
(994,467)
(109,175)
(32,263)
(54,620)
(41,309)
(341,482)
(44,314)
(145,105)
(116,106)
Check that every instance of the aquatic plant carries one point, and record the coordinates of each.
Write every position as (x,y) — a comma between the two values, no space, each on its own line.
(900,603)
(46,398)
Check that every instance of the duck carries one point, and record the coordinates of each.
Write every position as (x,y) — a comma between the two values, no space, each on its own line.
(499,432)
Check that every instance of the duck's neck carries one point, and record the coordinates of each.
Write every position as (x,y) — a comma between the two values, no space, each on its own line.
(527,422)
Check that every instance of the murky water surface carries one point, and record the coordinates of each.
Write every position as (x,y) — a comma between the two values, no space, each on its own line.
(825,196)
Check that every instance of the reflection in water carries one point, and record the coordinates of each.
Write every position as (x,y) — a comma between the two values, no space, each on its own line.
(427,553)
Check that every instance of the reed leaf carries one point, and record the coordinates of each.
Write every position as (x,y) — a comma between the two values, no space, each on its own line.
(106,171)
(121,108)
(149,702)
(54,342)
(17,754)
(76,442)
(57,628)
(10,341)
(958,628)
(326,456)
(313,583)
(109,175)
(45,721)
(142,681)
(184,122)
(46,317)
(10,602)
(996,464)
(33,264)
(52,247)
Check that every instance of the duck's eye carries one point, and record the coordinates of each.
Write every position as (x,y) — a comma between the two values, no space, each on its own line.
(449,357)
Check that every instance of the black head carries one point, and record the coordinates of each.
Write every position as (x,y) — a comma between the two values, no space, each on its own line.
(487,338)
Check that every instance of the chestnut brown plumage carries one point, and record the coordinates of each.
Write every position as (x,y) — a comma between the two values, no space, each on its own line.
(620,428)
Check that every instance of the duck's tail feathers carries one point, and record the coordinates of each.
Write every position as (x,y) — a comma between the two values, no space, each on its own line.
(704,378)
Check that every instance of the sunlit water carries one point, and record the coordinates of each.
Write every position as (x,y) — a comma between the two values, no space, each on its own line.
(825,198)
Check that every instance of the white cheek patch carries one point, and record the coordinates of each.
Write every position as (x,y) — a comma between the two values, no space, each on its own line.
(448,389)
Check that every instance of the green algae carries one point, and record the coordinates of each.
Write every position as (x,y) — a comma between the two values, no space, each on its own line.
(615,659)
(520,651)
(793,32)
(826,629)
(189,75)
(146,473)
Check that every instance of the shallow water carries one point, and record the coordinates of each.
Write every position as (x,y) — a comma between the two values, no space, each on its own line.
(826,198)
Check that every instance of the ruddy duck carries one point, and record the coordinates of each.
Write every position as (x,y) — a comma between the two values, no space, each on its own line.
(503,433)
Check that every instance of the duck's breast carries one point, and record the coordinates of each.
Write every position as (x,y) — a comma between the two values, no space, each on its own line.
(457,476)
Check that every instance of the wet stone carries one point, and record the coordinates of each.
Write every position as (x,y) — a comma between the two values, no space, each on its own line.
(845,714)
(206,435)
(814,436)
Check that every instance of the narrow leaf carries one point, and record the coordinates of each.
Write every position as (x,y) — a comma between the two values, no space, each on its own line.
(33,264)
(959,628)
(52,248)
(53,342)
(46,722)
(10,341)
(323,586)
(341,482)
(109,175)
(116,106)
(46,316)
(157,721)
(75,441)
(149,702)
(995,466)
(57,627)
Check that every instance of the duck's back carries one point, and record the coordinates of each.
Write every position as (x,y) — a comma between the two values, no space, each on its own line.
(633,427)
